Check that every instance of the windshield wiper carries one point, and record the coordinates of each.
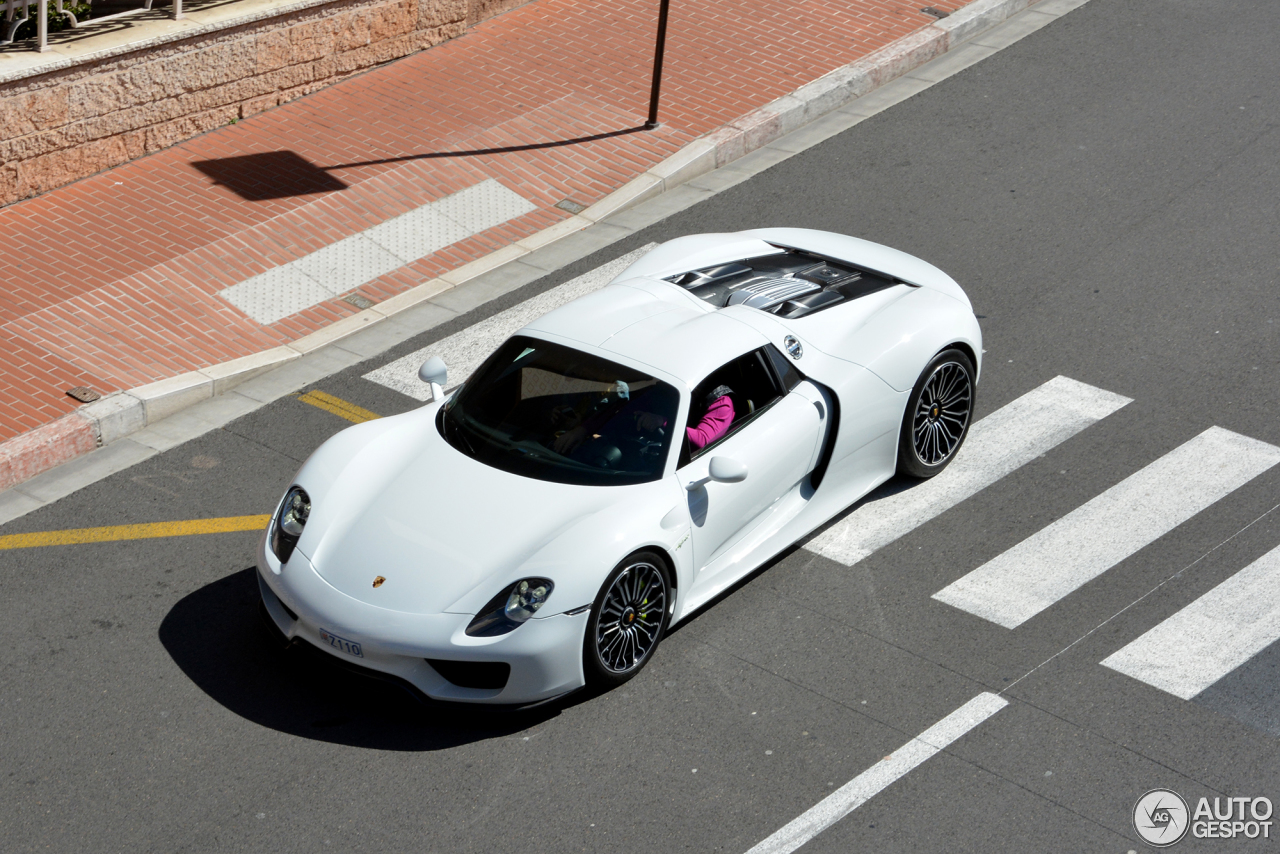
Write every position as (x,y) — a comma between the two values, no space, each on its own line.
(458,433)
(532,448)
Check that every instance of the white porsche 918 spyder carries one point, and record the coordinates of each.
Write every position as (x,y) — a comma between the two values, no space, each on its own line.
(621,461)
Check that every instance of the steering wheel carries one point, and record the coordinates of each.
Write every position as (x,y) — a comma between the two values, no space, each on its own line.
(563,416)
(602,454)
(649,444)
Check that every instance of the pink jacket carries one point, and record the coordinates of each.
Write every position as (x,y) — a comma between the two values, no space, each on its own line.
(713,425)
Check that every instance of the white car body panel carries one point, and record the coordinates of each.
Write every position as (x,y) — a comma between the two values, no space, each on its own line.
(777,453)
(392,498)
(397,643)
(694,251)
(669,337)
(383,522)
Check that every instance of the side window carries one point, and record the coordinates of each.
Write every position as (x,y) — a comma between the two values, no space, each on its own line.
(727,400)
(785,368)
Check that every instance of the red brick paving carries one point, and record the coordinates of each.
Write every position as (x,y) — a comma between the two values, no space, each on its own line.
(114,282)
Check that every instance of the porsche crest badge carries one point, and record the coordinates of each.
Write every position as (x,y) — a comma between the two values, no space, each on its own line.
(378,582)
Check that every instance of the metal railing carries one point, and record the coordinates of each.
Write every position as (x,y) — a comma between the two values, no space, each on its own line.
(12,22)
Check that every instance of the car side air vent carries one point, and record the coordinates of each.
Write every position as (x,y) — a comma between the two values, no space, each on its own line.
(770,292)
(809,304)
(697,278)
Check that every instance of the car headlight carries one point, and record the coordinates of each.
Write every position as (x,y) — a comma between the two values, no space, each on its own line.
(289,522)
(512,607)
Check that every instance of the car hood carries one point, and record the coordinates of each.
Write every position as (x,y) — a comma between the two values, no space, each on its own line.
(406,506)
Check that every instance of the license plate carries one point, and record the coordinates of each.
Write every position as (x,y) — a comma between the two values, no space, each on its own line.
(341,644)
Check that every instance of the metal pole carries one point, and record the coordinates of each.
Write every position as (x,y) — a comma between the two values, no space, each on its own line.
(42,27)
(657,65)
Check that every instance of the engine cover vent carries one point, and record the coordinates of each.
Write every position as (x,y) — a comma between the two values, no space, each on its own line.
(770,292)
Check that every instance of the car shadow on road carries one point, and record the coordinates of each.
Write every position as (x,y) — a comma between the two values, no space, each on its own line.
(216,636)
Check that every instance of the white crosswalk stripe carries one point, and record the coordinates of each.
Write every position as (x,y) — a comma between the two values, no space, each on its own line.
(880,776)
(1212,636)
(1042,569)
(464,351)
(1002,442)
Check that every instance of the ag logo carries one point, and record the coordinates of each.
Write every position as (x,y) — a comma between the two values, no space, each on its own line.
(1160,817)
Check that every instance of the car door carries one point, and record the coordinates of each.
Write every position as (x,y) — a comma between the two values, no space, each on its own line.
(776,437)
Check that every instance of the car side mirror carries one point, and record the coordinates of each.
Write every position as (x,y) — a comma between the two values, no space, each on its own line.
(434,373)
(721,470)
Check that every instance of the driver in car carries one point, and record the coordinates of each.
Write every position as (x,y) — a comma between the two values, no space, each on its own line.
(619,407)
(714,423)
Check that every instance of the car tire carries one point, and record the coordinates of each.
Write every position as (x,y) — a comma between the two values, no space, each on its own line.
(628,620)
(938,415)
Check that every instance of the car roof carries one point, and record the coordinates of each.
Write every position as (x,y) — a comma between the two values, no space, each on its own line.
(655,323)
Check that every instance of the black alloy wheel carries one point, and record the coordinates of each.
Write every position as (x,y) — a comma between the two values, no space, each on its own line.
(627,621)
(938,415)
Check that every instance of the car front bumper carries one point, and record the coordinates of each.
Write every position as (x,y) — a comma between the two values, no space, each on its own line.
(545,654)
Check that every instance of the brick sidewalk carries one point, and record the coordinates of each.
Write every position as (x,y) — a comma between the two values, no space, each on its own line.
(113,282)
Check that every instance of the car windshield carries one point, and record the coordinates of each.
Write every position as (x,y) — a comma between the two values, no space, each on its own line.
(549,412)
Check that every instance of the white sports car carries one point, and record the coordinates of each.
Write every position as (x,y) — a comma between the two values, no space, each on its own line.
(620,461)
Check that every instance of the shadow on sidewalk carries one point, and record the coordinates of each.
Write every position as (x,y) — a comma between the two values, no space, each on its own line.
(269,175)
(281,174)
(217,637)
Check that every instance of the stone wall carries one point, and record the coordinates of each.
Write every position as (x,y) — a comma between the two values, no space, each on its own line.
(61,125)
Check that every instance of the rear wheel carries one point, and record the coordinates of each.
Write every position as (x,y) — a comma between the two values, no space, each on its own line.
(938,414)
(627,621)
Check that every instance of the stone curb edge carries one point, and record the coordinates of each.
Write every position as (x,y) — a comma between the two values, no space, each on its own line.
(119,414)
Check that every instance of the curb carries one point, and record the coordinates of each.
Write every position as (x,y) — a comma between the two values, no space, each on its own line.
(119,414)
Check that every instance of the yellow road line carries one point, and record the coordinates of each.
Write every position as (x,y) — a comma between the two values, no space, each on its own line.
(75,536)
(338,407)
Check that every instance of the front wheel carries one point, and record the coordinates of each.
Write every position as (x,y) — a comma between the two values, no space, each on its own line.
(627,621)
(938,414)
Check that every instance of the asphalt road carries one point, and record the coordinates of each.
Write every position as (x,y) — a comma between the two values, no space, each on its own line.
(1105,190)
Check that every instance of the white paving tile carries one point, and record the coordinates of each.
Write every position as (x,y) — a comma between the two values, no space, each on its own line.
(1002,442)
(351,262)
(464,351)
(417,234)
(276,294)
(1062,557)
(483,206)
(347,264)
(1212,636)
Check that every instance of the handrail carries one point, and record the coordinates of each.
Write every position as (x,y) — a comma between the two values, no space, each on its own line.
(13,25)
(42,24)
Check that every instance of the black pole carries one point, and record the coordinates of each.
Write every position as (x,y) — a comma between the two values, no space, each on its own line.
(657,65)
